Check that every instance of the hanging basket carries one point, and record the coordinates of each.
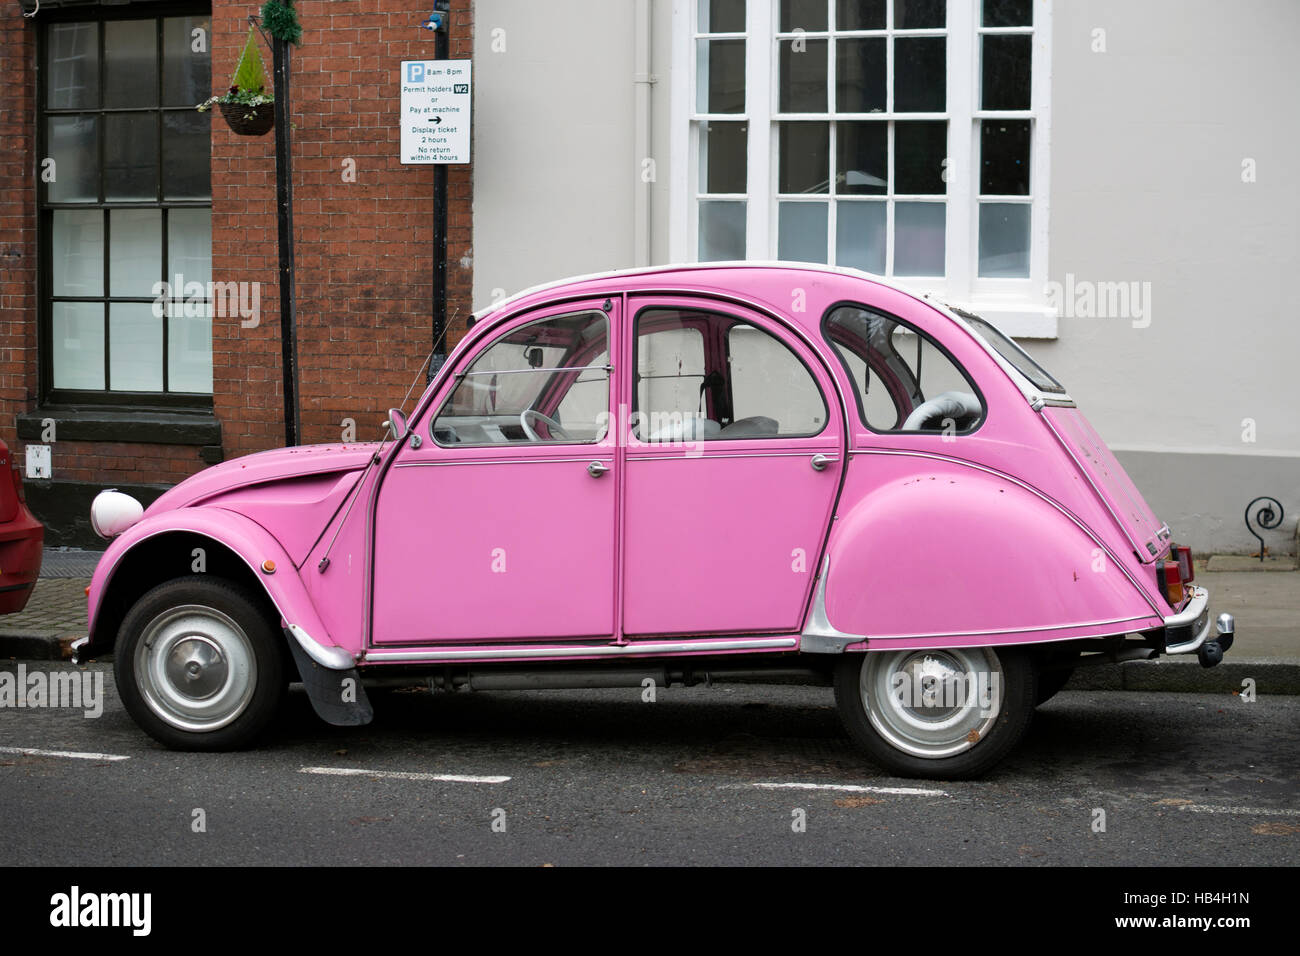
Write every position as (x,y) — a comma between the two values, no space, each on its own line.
(249,120)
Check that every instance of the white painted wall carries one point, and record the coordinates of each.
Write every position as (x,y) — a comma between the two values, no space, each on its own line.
(1146,186)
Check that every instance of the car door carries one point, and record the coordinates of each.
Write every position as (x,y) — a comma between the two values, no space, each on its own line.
(733,462)
(500,525)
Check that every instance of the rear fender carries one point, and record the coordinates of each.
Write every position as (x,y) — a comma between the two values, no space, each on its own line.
(944,553)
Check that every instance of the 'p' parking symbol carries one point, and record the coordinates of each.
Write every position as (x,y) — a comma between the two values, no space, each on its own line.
(415,73)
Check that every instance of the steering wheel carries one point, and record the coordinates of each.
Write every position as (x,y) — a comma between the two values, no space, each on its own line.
(556,429)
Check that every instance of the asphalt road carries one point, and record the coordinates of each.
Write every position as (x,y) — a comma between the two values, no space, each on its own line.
(718,775)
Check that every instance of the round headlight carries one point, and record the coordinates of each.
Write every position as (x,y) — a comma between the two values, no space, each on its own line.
(112,512)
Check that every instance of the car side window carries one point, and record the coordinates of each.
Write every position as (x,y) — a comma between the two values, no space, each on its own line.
(903,380)
(543,382)
(705,376)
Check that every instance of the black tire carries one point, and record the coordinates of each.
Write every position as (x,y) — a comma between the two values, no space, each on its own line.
(199,665)
(995,730)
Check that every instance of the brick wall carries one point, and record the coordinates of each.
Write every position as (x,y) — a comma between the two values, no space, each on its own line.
(364,248)
(17,220)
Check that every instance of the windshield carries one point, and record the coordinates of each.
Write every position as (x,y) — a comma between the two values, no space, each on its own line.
(1014,354)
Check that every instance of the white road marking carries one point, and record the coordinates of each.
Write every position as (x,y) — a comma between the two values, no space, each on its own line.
(400,775)
(1252,811)
(34,752)
(853,788)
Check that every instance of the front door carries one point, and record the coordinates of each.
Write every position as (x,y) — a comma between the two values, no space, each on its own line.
(500,525)
(732,468)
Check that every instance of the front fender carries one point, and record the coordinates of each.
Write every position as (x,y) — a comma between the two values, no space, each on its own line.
(249,542)
(942,553)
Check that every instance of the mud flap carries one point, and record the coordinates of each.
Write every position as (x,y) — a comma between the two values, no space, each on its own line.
(338,697)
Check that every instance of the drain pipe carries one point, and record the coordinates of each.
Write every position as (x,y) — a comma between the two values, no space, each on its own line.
(643,82)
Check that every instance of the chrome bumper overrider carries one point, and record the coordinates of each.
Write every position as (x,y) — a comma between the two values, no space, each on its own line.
(1188,631)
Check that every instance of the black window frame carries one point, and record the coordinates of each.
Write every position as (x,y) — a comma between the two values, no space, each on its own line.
(47,394)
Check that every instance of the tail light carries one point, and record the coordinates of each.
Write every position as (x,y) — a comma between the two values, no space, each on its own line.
(1171,577)
(1185,567)
(18,483)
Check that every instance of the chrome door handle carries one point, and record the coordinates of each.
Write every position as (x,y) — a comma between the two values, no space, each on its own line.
(819,462)
(596,469)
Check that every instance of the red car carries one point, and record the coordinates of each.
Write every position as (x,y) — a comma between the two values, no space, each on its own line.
(21,539)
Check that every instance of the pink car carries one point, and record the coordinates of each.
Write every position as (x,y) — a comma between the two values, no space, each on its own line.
(723,472)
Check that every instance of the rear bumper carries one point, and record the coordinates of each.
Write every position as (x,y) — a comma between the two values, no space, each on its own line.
(1191,630)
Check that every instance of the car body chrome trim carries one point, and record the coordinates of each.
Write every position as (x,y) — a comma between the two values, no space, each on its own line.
(634,649)
(331,658)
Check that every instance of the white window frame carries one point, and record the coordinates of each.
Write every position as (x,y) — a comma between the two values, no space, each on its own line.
(1018,306)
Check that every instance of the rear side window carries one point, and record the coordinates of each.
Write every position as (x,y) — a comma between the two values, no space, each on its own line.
(704,376)
(904,382)
(1014,354)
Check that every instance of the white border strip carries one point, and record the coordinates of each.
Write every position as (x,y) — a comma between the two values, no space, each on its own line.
(1250,811)
(400,775)
(853,788)
(34,752)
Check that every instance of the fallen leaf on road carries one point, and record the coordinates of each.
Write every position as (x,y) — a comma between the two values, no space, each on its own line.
(853,802)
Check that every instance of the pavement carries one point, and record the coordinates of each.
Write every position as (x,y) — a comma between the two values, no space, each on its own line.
(1265,599)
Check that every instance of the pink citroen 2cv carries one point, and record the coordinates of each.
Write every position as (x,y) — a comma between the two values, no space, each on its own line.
(722,472)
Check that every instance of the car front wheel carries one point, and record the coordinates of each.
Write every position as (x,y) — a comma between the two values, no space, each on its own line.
(198,665)
(941,714)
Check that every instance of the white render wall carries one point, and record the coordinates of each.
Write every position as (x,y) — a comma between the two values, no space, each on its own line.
(1148,142)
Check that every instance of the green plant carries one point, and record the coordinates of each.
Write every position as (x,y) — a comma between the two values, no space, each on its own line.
(248,88)
(281,20)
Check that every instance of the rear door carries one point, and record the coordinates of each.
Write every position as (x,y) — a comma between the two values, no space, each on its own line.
(734,455)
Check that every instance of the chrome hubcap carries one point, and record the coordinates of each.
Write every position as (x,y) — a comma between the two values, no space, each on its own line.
(932,703)
(196,668)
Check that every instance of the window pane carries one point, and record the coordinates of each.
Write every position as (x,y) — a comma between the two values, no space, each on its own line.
(77,244)
(920,75)
(919,14)
(722,16)
(77,345)
(772,392)
(187,73)
(860,14)
(670,370)
(1008,13)
(187,169)
(130,63)
(130,156)
(807,15)
(527,376)
(1004,240)
(134,347)
(1007,62)
(804,158)
(860,75)
(720,83)
(919,152)
(896,371)
(73,71)
(801,236)
(722,231)
(1004,157)
(135,252)
(803,76)
(919,238)
(189,353)
(74,147)
(189,245)
(862,158)
(723,159)
(860,236)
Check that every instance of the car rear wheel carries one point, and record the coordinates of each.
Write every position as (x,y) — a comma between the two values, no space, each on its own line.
(198,664)
(941,714)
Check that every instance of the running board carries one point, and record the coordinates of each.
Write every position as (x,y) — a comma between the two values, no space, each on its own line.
(447,655)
